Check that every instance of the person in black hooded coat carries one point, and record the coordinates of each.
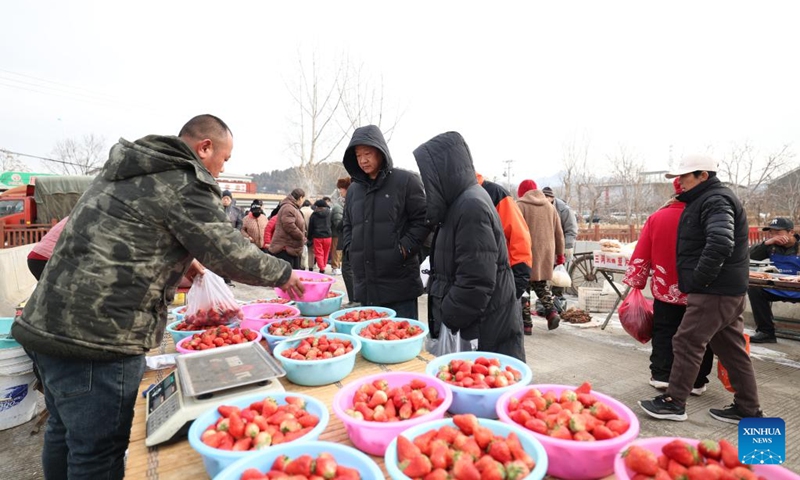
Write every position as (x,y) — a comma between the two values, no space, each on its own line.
(384,225)
(471,285)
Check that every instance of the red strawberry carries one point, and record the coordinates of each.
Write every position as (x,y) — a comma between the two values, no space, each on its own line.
(516,470)
(252,474)
(483,436)
(697,472)
(423,442)
(325,466)
(300,465)
(279,464)
(676,470)
(499,450)
(585,387)
(601,432)
(437,474)
(519,453)
(439,454)
(406,450)
(709,449)
(236,425)
(729,454)
(464,469)
(681,452)
(490,469)
(347,473)
(466,422)
(640,460)
(418,466)
(300,402)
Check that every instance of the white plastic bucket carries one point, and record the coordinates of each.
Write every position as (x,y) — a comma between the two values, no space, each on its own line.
(17,400)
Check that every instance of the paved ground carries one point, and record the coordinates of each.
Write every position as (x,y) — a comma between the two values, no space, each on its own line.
(610,359)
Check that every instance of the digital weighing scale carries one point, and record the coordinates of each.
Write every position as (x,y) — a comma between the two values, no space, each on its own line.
(204,381)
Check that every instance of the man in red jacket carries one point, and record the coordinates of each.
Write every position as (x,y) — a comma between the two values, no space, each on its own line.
(655,252)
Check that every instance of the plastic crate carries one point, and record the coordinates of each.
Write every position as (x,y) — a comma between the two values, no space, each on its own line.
(592,299)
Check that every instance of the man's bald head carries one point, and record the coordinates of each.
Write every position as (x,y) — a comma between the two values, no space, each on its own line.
(211,140)
(205,126)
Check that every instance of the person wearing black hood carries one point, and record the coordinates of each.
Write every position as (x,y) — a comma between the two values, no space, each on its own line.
(471,285)
(384,225)
(255,223)
(319,231)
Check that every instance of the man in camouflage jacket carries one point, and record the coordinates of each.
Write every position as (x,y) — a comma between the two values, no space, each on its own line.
(102,300)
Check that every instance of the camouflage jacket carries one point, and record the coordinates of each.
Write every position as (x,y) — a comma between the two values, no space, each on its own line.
(131,237)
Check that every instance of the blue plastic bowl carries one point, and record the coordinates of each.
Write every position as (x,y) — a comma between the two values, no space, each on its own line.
(312,373)
(344,455)
(390,351)
(480,402)
(322,308)
(347,327)
(273,340)
(179,312)
(7,341)
(531,446)
(215,459)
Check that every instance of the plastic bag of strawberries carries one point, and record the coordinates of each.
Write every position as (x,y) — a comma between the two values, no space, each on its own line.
(210,302)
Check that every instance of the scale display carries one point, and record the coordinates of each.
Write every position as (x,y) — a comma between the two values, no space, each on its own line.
(204,381)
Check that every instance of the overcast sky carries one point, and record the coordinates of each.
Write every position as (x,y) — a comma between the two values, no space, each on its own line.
(516,79)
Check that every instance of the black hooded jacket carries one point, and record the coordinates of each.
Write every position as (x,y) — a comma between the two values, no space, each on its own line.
(712,251)
(471,286)
(319,225)
(380,216)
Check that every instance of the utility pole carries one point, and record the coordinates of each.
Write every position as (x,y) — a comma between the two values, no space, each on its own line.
(508,174)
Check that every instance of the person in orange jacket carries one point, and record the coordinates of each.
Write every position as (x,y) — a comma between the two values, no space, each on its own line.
(518,237)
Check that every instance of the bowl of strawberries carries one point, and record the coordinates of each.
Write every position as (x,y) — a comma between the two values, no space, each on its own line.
(331,303)
(318,359)
(314,459)
(256,315)
(581,429)
(376,408)
(316,286)
(675,457)
(390,340)
(180,330)
(252,425)
(279,331)
(478,379)
(218,337)
(465,446)
(344,320)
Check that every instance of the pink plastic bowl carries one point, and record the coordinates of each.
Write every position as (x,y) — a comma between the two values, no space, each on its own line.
(569,459)
(374,437)
(314,291)
(252,314)
(773,472)
(180,349)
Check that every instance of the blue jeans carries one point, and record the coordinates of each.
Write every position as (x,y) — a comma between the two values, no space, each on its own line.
(404,309)
(91,411)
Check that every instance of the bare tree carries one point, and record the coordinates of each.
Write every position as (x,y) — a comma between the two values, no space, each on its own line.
(749,171)
(330,101)
(79,157)
(783,197)
(627,169)
(574,157)
(11,163)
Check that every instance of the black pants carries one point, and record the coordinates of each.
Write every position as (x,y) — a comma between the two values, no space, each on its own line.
(36,266)
(762,309)
(404,309)
(347,275)
(293,261)
(667,318)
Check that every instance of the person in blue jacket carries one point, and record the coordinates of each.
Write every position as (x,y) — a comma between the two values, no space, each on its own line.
(782,249)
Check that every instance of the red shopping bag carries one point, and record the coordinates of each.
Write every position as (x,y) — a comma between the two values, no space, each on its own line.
(722,372)
(636,316)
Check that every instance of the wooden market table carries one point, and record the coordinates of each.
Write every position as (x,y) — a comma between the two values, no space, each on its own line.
(179,460)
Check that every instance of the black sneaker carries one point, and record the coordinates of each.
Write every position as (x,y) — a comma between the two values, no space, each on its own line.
(731,414)
(664,407)
(762,337)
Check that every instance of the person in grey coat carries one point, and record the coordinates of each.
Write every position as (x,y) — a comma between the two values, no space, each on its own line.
(569,225)
(471,285)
